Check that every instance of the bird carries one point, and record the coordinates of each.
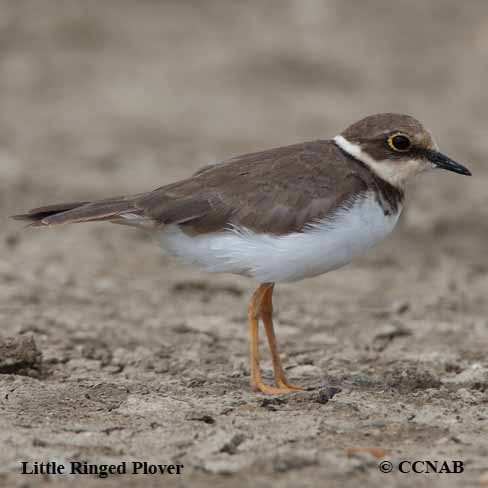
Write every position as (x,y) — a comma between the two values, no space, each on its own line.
(278,215)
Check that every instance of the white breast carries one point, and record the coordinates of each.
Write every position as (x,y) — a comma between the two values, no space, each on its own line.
(321,247)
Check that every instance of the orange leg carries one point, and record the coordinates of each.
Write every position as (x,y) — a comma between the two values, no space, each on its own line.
(253,317)
(267,315)
(260,305)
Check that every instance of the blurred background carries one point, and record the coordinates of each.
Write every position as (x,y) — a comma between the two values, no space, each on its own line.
(106,98)
(102,98)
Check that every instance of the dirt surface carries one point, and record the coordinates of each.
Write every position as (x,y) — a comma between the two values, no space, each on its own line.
(111,351)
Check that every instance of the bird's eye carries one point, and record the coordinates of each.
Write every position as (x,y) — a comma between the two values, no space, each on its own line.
(399,142)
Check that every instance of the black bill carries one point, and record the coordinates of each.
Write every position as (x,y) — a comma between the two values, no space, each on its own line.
(442,161)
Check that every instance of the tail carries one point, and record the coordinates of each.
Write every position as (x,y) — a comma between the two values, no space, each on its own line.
(113,209)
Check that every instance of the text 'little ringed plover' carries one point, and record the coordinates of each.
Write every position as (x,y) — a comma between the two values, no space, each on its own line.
(283,214)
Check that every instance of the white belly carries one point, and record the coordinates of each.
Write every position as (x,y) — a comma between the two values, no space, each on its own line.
(323,246)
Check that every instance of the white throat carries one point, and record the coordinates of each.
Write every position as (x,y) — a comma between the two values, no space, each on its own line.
(385,169)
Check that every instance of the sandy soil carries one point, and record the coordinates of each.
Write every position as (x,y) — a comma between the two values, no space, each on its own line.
(111,351)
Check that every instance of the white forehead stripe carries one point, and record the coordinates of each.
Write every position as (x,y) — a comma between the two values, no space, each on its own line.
(385,169)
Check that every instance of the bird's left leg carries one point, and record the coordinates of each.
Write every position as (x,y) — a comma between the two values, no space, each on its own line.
(266,313)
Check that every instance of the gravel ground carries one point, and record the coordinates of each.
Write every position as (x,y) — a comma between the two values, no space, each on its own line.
(110,351)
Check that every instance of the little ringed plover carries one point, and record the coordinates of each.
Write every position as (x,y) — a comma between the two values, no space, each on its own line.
(278,215)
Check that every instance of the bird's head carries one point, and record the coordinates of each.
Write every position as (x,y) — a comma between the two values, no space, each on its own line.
(394,146)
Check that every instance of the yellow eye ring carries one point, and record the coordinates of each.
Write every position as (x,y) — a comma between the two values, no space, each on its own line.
(399,142)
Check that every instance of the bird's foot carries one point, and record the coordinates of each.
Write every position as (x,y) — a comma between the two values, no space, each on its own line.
(281,389)
(289,386)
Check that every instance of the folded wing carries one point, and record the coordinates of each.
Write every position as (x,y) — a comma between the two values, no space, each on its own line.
(276,191)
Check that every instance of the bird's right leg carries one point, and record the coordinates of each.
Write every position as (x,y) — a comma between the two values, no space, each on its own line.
(254,313)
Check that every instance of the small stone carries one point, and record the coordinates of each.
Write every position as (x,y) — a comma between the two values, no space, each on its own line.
(18,355)
(200,416)
(325,394)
